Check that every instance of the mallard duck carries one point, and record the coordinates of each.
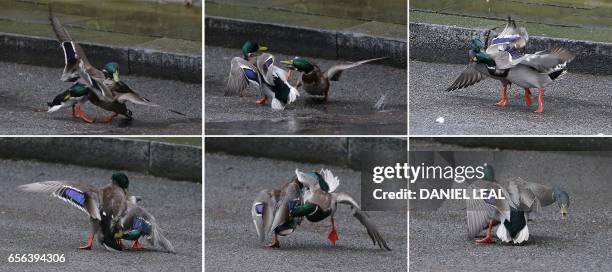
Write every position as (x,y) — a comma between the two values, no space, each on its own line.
(138,222)
(532,196)
(314,80)
(111,198)
(529,71)
(241,74)
(107,91)
(320,201)
(271,80)
(73,97)
(495,209)
(270,211)
(512,40)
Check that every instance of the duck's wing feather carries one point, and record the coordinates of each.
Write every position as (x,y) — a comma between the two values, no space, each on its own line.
(289,193)
(546,61)
(522,196)
(86,198)
(156,237)
(122,93)
(468,77)
(262,211)
(265,66)
(94,79)
(73,52)
(512,39)
(372,230)
(332,181)
(481,211)
(242,73)
(334,72)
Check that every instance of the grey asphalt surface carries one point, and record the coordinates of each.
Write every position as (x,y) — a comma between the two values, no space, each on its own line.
(578,104)
(26,89)
(231,242)
(582,242)
(349,110)
(39,223)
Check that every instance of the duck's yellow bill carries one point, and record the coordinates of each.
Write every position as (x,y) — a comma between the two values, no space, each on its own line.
(262,48)
(288,62)
(116,76)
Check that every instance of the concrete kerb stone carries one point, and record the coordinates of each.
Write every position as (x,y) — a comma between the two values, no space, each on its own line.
(146,62)
(161,159)
(304,41)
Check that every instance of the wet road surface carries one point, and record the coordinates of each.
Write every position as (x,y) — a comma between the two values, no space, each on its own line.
(232,183)
(26,89)
(39,223)
(350,109)
(577,104)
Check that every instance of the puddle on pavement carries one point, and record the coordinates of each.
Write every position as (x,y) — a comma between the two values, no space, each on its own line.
(387,122)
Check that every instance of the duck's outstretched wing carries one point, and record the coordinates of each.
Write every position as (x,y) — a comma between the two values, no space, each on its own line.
(372,230)
(262,211)
(523,196)
(468,77)
(334,72)
(242,73)
(512,39)
(73,53)
(546,61)
(481,211)
(86,198)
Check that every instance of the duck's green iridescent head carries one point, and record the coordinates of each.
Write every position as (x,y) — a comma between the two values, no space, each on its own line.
(476,45)
(250,48)
(112,68)
(121,179)
(489,174)
(562,199)
(299,64)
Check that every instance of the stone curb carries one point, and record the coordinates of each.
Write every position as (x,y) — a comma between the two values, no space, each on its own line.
(341,151)
(175,161)
(146,62)
(450,44)
(305,41)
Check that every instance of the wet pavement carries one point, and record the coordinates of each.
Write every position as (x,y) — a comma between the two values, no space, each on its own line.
(26,89)
(577,104)
(350,109)
(581,242)
(378,18)
(232,183)
(169,27)
(579,20)
(39,223)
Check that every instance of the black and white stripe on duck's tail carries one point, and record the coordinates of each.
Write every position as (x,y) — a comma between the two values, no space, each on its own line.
(284,93)
(515,230)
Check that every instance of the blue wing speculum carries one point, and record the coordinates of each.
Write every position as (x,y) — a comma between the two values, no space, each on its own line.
(73,196)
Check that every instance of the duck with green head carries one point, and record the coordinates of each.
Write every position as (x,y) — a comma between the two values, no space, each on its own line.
(111,198)
(313,80)
(243,70)
(139,223)
(258,70)
(79,93)
(509,44)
